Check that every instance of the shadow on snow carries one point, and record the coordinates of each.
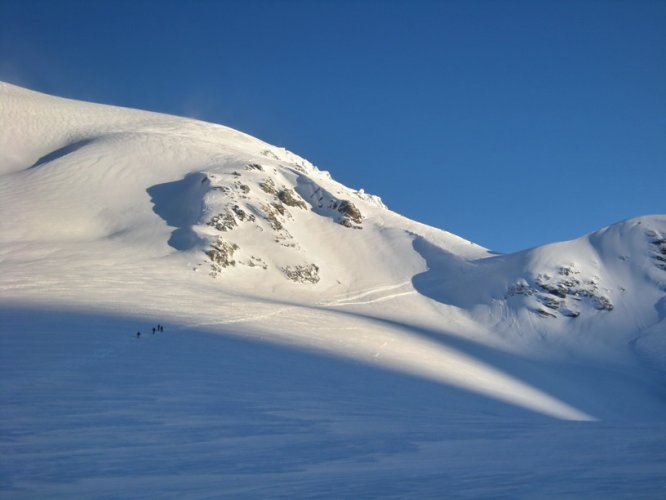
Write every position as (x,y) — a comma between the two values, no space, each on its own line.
(180,204)
(61,152)
(84,403)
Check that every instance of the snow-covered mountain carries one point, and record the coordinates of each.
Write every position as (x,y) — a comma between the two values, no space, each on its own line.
(130,214)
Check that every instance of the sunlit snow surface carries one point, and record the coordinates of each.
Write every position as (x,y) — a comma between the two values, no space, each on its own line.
(418,365)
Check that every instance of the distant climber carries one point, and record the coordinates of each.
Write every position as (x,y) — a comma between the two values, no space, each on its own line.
(138,335)
(153,330)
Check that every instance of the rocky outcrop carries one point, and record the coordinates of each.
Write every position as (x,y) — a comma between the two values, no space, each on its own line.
(266,194)
(658,252)
(271,213)
(352,216)
(268,186)
(243,188)
(221,255)
(291,199)
(348,209)
(223,222)
(308,273)
(242,215)
(562,294)
(254,262)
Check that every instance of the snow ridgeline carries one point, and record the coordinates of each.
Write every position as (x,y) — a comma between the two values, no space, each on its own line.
(111,207)
(244,206)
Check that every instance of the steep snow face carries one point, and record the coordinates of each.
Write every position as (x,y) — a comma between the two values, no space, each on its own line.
(137,213)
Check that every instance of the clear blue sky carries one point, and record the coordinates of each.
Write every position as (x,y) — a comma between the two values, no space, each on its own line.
(511,123)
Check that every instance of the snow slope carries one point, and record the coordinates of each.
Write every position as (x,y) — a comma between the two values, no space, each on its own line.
(332,311)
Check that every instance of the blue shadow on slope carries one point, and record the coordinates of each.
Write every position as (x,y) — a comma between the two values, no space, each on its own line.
(453,280)
(199,404)
(63,151)
(218,413)
(180,204)
(440,266)
(569,382)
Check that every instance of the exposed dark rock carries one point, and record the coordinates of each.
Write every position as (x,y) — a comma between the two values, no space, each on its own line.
(289,198)
(349,210)
(223,222)
(279,208)
(352,216)
(567,271)
(521,288)
(271,214)
(569,313)
(242,214)
(302,274)
(659,254)
(556,290)
(255,262)
(268,186)
(550,302)
(602,303)
(543,313)
(269,154)
(557,293)
(221,254)
(254,166)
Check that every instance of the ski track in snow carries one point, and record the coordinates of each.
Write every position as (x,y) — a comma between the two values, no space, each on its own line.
(371,291)
(352,300)
(242,319)
(383,298)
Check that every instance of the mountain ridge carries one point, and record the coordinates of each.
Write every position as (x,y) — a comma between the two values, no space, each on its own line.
(128,211)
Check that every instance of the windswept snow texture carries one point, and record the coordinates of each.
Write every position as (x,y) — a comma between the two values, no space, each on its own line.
(316,343)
